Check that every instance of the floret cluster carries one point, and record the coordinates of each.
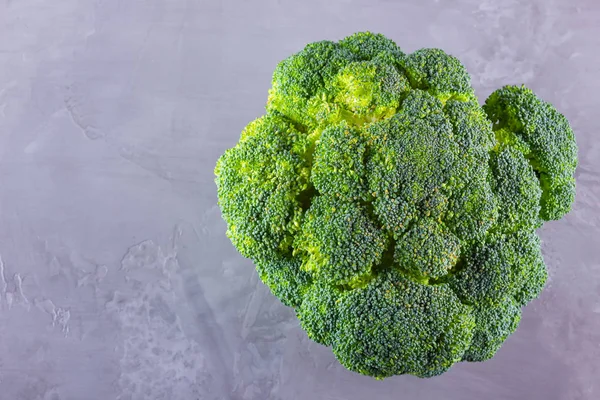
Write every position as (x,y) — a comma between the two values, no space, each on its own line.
(395,214)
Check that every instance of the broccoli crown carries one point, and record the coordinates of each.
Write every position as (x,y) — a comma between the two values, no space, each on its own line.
(395,214)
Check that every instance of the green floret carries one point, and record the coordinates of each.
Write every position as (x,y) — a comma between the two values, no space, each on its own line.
(472,130)
(545,138)
(529,272)
(503,265)
(369,88)
(259,183)
(441,74)
(427,250)
(368,45)
(472,206)
(318,312)
(285,278)
(558,195)
(355,80)
(303,76)
(340,241)
(412,156)
(338,167)
(473,209)
(391,210)
(486,272)
(420,104)
(396,326)
(518,190)
(435,205)
(494,323)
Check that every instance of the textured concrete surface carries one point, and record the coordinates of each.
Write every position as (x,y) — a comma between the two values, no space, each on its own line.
(116,278)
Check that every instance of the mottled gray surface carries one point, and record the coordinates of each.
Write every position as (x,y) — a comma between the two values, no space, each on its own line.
(116,278)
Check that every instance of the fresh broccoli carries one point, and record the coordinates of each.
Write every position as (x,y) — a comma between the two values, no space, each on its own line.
(395,214)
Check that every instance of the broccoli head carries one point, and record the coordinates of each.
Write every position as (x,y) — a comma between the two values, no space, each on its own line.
(395,214)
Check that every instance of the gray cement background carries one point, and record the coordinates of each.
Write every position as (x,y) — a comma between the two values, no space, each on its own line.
(116,278)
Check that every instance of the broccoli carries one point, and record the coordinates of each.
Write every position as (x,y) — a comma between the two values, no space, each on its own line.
(392,211)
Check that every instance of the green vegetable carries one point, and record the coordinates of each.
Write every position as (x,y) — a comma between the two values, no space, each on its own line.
(395,214)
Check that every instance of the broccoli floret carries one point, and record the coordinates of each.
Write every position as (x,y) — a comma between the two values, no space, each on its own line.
(368,46)
(394,326)
(338,168)
(529,270)
(439,73)
(412,155)
(285,278)
(395,214)
(472,209)
(340,242)
(260,182)
(546,139)
(368,88)
(472,130)
(485,272)
(472,205)
(493,324)
(518,190)
(318,312)
(427,250)
(299,79)
(502,265)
